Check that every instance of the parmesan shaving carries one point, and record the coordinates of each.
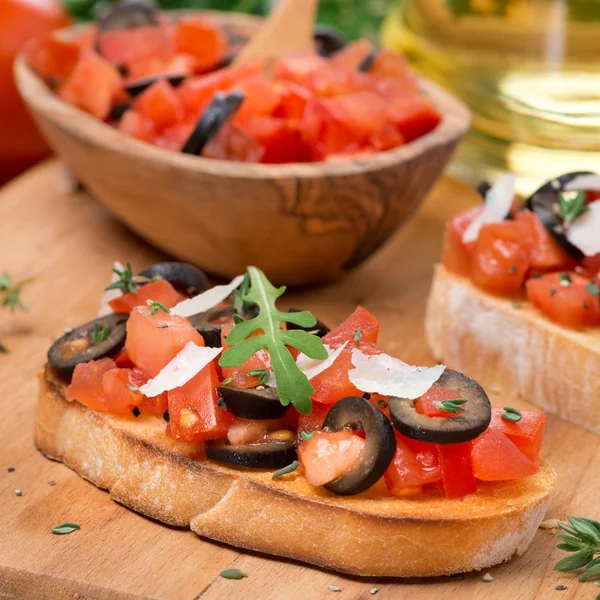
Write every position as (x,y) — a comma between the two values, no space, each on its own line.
(109,295)
(584,232)
(186,365)
(498,202)
(206,300)
(384,374)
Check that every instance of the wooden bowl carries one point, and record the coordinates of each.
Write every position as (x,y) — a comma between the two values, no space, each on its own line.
(301,223)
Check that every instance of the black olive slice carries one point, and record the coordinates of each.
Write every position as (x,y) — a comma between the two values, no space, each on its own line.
(543,202)
(186,278)
(252,403)
(208,326)
(118,110)
(367,62)
(380,444)
(271,455)
(328,40)
(77,346)
(465,426)
(141,85)
(213,118)
(319,329)
(129,14)
(483,187)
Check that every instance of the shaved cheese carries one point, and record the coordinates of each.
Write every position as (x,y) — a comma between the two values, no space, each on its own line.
(584,232)
(186,365)
(109,295)
(312,367)
(384,374)
(206,300)
(586,183)
(498,202)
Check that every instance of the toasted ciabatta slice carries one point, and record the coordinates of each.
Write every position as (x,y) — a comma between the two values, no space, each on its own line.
(371,534)
(511,348)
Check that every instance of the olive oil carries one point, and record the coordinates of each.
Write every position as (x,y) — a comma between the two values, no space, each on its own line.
(529,70)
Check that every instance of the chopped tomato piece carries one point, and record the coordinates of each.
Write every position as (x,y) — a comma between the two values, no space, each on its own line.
(458,479)
(313,421)
(194,415)
(456,255)
(134,124)
(544,251)
(413,116)
(565,298)
(591,266)
(128,46)
(53,56)
(293,99)
(352,55)
(175,137)
(527,434)
(151,345)
(362,113)
(391,66)
(496,458)
(329,80)
(121,393)
(246,431)
(159,291)
(233,143)
(414,465)
(499,266)
(327,456)
(86,383)
(425,404)
(297,68)
(122,359)
(362,321)
(281,142)
(260,96)
(197,37)
(387,138)
(92,86)
(160,103)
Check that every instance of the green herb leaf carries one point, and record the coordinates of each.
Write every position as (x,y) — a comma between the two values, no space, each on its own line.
(262,374)
(451,406)
(126,281)
(307,435)
(65,528)
(11,292)
(292,384)
(585,529)
(357,335)
(285,470)
(237,297)
(571,206)
(584,543)
(593,289)
(564,279)
(237,318)
(233,574)
(227,381)
(592,571)
(512,414)
(575,561)
(100,333)
(155,306)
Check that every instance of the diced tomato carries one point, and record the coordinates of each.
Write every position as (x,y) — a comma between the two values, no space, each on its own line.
(281,142)
(247,431)
(92,86)
(330,80)
(158,291)
(390,89)
(293,99)
(86,383)
(591,266)
(151,345)
(387,138)
(313,421)
(128,46)
(361,320)
(527,434)
(352,55)
(122,360)
(496,458)
(391,66)
(120,387)
(413,116)
(565,298)
(53,56)
(175,137)
(261,360)
(414,465)
(137,126)
(544,251)
(161,104)
(297,68)
(456,255)
(197,37)
(327,456)
(260,96)
(458,479)
(194,415)
(425,404)
(499,266)
(233,143)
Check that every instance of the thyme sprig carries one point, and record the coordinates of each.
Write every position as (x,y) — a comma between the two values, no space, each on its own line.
(452,406)
(126,282)
(11,292)
(571,206)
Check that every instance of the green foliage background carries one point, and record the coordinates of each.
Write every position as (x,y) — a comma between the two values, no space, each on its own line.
(356,18)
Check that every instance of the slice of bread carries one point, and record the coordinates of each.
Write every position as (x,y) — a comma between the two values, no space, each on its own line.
(371,534)
(512,349)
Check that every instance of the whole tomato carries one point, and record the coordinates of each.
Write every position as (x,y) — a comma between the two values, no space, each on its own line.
(20,21)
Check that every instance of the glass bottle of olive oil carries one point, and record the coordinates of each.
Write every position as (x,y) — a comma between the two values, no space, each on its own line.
(529,70)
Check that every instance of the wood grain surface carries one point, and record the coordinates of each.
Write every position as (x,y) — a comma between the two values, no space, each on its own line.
(67,243)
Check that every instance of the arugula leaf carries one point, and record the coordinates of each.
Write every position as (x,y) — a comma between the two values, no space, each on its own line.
(292,384)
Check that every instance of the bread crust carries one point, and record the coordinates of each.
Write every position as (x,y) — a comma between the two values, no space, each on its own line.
(515,351)
(369,535)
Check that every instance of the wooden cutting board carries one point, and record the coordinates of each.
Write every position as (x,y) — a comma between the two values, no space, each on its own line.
(67,243)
